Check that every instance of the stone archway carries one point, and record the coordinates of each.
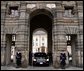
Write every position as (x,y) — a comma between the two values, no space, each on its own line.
(41,18)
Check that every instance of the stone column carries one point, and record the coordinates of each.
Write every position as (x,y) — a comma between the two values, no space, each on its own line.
(22,35)
(59,44)
(80,34)
(80,47)
(3,12)
(59,37)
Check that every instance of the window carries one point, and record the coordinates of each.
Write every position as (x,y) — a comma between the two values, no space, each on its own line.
(69,11)
(36,39)
(43,38)
(68,39)
(38,49)
(36,44)
(13,37)
(13,43)
(43,44)
(13,11)
(33,43)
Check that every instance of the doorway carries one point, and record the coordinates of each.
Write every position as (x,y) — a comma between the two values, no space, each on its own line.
(10,49)
(71,48)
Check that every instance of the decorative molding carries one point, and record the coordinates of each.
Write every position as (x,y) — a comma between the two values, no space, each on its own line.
(31,5)
(51,5)
(71,30)
(69,3)
(10,29)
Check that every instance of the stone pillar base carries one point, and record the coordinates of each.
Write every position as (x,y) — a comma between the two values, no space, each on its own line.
(56,64)
(56,61)
(24,64)
(24,59)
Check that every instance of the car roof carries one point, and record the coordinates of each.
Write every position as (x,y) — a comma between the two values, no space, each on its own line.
(40,53)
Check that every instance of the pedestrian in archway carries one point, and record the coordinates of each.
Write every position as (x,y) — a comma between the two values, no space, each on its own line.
(62,60)
(18,59)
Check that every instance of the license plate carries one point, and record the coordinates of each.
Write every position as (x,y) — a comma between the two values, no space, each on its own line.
(41,62)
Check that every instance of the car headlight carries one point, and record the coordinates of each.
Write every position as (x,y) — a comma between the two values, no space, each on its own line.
(34,59)
(47,60)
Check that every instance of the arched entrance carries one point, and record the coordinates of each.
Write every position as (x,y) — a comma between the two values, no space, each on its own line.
(41,18)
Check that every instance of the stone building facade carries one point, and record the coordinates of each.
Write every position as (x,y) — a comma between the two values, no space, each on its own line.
(39,41)
(21,18)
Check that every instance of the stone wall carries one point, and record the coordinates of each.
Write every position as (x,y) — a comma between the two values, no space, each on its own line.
(20,26)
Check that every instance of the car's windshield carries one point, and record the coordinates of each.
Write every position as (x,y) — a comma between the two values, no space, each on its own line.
(40,55)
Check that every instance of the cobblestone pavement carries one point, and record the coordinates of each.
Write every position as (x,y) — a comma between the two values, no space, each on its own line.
(38,68)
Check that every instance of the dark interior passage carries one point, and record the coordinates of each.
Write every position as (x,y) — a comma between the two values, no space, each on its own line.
(8,48)
(74,47)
